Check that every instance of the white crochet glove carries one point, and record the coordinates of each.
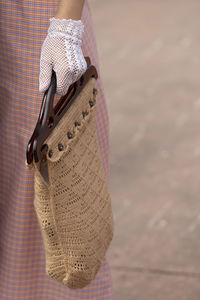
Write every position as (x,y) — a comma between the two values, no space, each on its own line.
(61,51)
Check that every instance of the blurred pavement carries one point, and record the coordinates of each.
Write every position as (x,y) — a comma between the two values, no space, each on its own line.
(150,64)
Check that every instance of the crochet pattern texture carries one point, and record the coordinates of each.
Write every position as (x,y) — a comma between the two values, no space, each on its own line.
(72,200)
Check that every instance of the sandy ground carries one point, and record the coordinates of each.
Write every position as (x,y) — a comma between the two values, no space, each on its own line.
(150,63)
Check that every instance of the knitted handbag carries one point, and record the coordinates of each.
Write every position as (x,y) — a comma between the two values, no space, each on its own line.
(72,200)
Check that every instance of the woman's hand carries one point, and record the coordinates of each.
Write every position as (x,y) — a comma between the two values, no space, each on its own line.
(61,51)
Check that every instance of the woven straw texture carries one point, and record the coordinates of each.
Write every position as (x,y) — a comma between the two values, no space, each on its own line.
(72,200)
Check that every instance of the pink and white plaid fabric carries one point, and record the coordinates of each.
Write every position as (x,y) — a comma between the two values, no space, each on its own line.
(23,27)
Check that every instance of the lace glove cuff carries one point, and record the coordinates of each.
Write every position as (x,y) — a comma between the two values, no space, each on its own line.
(72,28)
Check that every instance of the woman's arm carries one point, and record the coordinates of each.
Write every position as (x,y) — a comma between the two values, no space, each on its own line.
(70,9)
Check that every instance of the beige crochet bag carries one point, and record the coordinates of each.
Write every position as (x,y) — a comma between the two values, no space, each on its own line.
(72,200)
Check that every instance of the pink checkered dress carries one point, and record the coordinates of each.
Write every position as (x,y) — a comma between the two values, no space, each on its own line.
(23,27)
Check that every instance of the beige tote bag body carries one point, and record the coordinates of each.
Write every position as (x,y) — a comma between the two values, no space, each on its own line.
(72,200)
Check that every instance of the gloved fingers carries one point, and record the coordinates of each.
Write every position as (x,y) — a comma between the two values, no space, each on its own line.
(83,62)
(66,76)
(83,66)
(79,67)
(45,75)
(63,79)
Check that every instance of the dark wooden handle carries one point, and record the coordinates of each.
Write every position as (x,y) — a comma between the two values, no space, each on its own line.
(49,115)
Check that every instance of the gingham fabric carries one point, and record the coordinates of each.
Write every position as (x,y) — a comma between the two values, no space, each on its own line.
(23,27)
